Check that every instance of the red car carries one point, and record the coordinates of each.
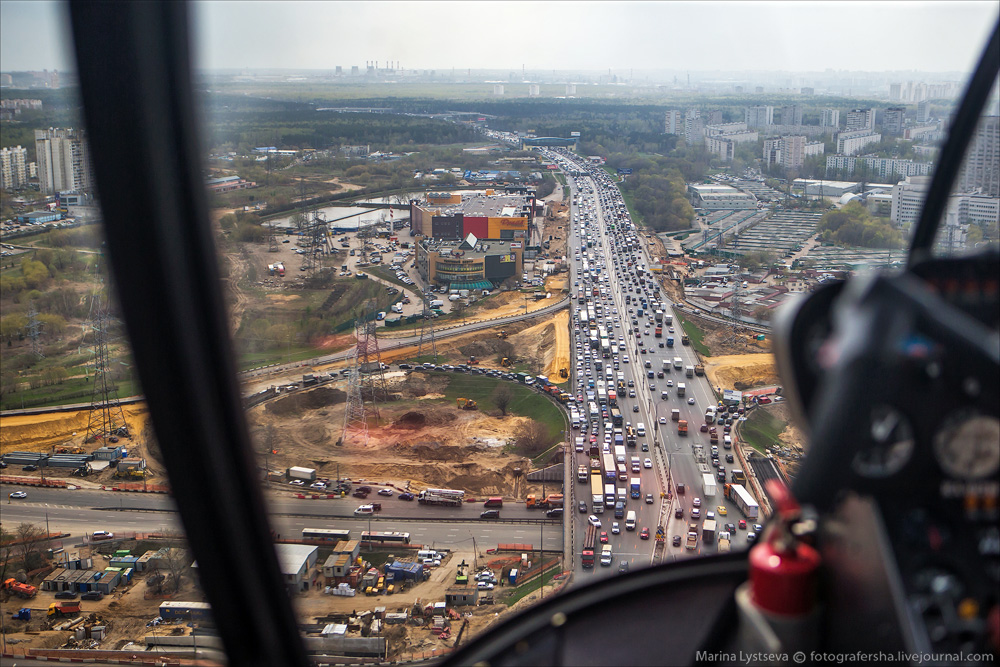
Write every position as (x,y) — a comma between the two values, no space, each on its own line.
(644,534)
(604,537)
(743,524)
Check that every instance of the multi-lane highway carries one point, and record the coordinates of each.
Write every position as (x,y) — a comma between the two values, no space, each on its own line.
(82,511)
(610,283)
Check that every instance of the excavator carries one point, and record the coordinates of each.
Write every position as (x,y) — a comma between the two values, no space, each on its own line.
(467,404)
(506,362)
(502,334)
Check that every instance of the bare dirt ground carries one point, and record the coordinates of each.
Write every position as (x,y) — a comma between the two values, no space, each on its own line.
(741,371)
(556,225)
(430,445)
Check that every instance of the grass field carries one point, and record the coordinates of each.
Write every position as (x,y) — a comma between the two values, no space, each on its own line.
(696,335)
(761,429)
(525,403)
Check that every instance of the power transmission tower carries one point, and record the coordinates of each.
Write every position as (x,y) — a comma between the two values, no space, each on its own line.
(736,326)
(355,421)
(272,240)
(106,416)
(35,332)
(315,230)
(369,359)
(427,332)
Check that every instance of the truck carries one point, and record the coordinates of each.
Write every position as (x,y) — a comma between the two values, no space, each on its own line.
(661,535)
(699,369)
(305,474)
(675,415)
(710,415)
(582,474)
(658,316)
(610,495)
(681,389)
(620,454)
(723,542)
(708,531)
(744,501)
(616,416)
(597,493)
(587,557)
(670,343)
(636,465)
(658,333)
(396,307)
(692,537)
(685,340)
(446,497)
(738,477)
(708,482)
(25,591)
(436,303)
(666,364)
(64,608)
(550,501)
(678,363)
(689,371)
(682,427)
(610,471)
(635,487)
(668,319)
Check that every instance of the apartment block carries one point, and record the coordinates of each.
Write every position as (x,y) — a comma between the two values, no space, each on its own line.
(981,170)
(861,119)
(13,167)
(759,116)
(63,160)
(830,118)
(853,142)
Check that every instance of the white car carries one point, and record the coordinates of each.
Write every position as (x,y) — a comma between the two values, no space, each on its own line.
(615,529)
(663,420)
(594,521)
(19,494)
(646,463)
(670,383)
(691,401)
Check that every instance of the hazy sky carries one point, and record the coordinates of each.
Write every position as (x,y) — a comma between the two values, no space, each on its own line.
(735,36)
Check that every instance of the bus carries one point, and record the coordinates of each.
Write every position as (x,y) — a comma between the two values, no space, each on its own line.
(332,535)
(385,537)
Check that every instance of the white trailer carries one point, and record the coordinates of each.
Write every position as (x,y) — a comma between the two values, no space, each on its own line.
(708,482)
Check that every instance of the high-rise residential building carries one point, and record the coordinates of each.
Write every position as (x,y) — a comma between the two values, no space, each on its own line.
(851,142)
(571,89)
(13,167)
(893,122)
(772,151)
(830,118)
(533,90)
(923,111)
(791,114)
(63,160)
(807,91)
(674,122)
(793,151)
(713,117)
(895,91)
(759,116)
(694,127)
(981,169)
(861,119)
(498,89)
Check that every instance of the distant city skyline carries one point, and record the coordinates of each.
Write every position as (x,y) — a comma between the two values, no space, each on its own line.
(641,36)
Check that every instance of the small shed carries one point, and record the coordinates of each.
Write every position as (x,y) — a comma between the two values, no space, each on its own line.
(461,596)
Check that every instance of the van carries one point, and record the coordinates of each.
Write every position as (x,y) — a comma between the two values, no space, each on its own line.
(493,502)
(427,554)
(727,442)
(380,316)
(630,520)
(490,514)
(364,510)
(620,510)
(640,429)
(454,297)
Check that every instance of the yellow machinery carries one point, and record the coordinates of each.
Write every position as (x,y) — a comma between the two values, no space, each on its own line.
(467,404)
(502,334)
(506,363)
